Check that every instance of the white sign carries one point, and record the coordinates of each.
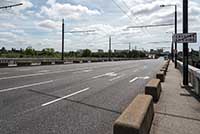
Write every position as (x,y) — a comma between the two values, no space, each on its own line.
(185,38)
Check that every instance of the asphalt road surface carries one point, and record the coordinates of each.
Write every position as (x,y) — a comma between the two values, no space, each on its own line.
(70,99)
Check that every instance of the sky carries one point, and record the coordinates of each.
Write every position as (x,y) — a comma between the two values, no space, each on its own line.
(37,24)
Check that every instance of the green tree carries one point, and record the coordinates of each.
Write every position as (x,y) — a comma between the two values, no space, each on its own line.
(3,50)
(48,52)
(29,51)
(86,53)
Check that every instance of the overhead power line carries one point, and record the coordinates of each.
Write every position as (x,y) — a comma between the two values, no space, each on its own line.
(157,42)
(123,11)
(130,10)
(158,25)
(87,31)
(10,6)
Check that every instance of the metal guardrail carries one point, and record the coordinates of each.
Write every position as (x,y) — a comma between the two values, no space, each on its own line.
(193,76)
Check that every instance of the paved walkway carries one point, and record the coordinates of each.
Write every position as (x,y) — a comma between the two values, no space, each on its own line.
(178,111)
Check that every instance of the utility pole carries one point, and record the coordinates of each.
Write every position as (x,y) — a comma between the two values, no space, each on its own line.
(129,51)
(110,51)
(175,33)
(63,40)
(199,54)
(172,51)
(185,45)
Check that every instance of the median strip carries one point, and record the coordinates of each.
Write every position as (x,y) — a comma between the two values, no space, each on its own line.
(64,97)
(25,86)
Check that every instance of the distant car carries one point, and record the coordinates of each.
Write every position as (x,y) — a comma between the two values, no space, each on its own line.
(166,57)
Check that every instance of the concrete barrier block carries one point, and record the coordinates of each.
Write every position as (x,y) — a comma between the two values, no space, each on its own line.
(161,75)
(3,64)
(85,61)
(59,62)
(137,117)
(164,70)
(77,61)
(24,64)
(46,63)
(154,88)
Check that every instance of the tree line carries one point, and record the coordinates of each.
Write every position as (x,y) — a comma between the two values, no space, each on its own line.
(29,52)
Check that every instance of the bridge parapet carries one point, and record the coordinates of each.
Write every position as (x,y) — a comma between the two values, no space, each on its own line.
(193,76)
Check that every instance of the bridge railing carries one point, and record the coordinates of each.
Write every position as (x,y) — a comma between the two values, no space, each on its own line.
(38,60)
(193,76)
(34,60)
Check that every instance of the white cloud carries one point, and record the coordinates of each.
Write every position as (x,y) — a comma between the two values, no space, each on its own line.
(58,10)
(49,24)
(51,2)
(26,4)
(7,26)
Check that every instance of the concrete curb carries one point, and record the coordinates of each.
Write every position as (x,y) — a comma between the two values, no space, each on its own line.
(161,75)
(137,117)
(154,88)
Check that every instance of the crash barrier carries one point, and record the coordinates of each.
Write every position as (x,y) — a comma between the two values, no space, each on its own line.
(193,77)
(161,75)
(85,61)
(39,60)
(164,70)
(153,88)
(77,61)
(165,67)
(137,117)
(46,63)
(3,64)
(59,62)
(24,64)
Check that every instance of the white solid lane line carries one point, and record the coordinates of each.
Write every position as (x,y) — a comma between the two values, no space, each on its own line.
(98,76)
(25,69)
(64,97)
(83,71)
(29,75)
(115,78)
(106,74)
(134,79)
(145,78)
(24,86)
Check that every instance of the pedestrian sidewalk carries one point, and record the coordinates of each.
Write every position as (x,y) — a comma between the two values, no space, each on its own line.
(178,111)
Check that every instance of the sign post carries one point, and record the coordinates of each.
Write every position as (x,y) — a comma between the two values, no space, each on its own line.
(185,45)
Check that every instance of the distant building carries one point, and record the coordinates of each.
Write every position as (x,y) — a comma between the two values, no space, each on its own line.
(120,51)
(100,51)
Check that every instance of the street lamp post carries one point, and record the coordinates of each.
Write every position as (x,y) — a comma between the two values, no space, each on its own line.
(175,31)
(63,40)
